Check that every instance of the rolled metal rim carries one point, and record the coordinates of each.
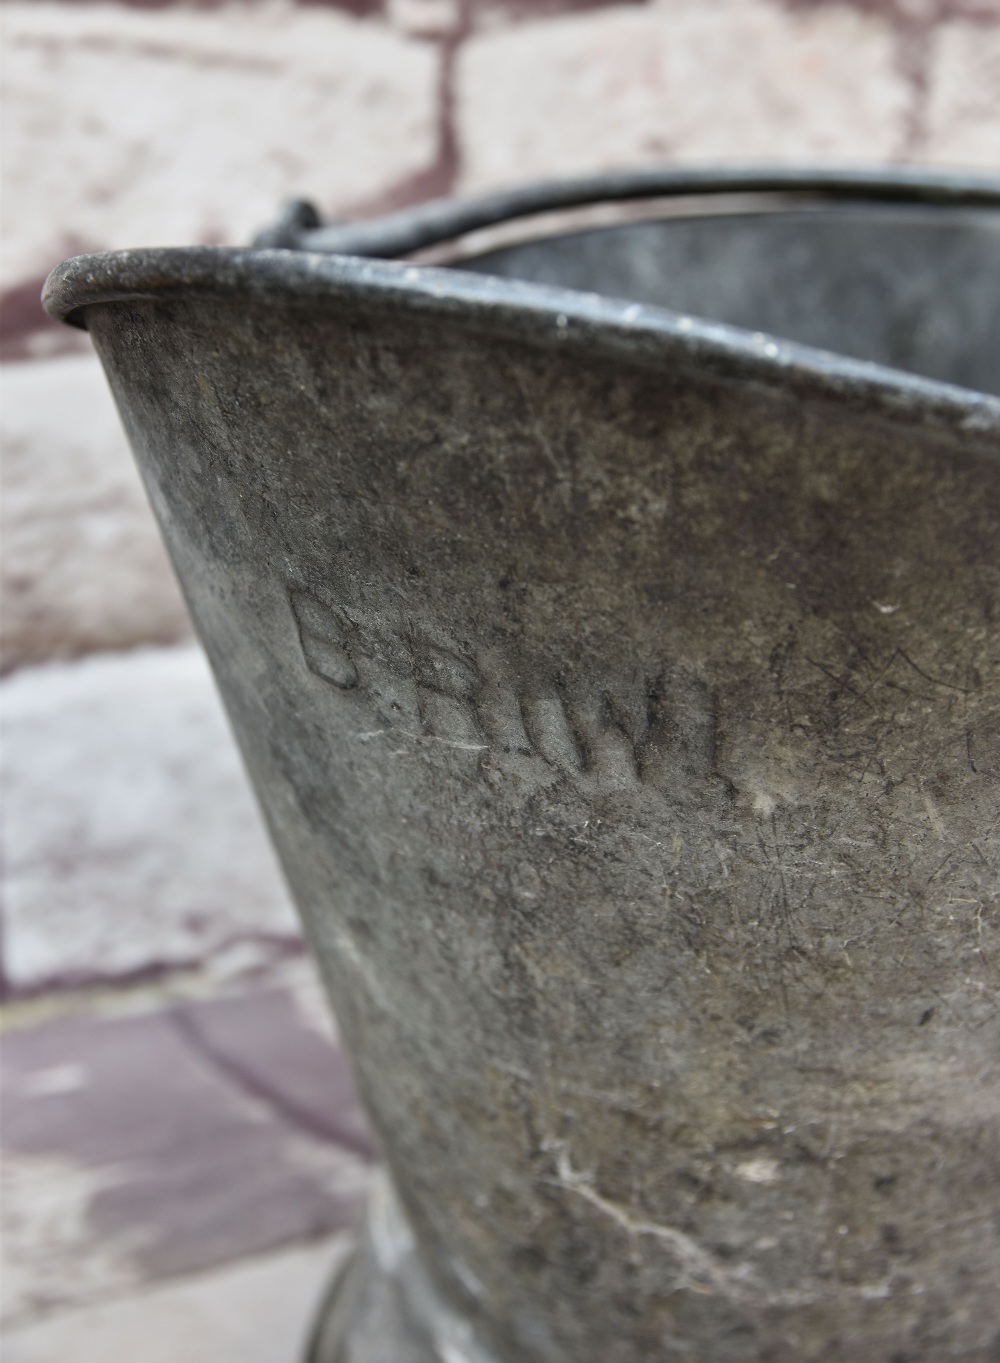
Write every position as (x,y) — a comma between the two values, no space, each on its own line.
(347,263)
(533,313)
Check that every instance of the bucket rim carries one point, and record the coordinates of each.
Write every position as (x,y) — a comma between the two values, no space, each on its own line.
(539,315)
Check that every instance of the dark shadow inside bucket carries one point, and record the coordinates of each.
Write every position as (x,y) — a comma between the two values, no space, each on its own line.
(913,287)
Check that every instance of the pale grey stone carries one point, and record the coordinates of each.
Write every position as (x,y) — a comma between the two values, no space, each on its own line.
(962,118)
(83,567)
(256,1311)
(131,838)
(132,127)
(143,1143)
(678,81)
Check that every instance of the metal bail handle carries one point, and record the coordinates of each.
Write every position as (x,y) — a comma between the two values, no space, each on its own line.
(299,226)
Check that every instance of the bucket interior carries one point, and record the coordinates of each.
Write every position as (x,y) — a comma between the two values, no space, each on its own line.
(916,288)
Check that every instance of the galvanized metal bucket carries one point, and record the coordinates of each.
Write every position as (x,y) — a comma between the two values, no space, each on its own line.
(620,678)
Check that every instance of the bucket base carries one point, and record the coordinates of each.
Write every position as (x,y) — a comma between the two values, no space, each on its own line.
(381,1306)
(365,1319)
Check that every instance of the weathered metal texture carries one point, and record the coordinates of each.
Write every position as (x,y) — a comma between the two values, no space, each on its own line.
(623,694)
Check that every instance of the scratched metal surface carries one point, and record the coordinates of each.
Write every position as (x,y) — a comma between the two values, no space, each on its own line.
(622,693)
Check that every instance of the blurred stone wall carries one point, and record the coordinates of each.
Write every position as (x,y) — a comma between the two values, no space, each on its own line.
(132,844)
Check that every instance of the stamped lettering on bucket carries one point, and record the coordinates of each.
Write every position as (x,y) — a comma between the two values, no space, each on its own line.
(624,732)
